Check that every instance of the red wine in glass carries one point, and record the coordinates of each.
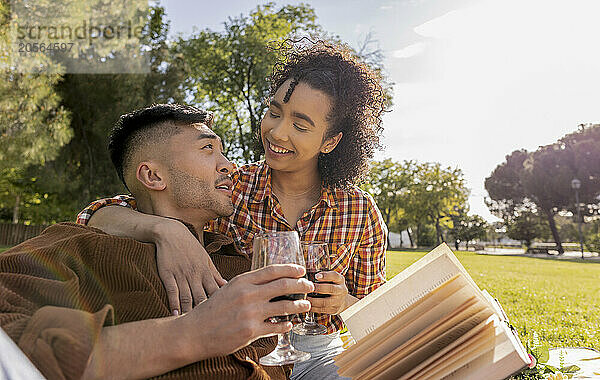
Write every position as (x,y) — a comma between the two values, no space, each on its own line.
(286,297)
(317,260)
(311,276)
(280,247)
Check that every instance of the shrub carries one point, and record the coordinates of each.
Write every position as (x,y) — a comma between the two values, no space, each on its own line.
(593,242)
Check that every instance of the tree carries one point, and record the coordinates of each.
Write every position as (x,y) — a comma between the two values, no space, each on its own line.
(592,239)
(82,169)
(504,186)
(228,71)
(389,183)
(434,194)
(544,178)
(526,227)
(420,195)
(467,228)
(33,124)
(371,54)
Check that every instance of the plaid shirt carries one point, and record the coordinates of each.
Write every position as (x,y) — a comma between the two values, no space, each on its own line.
(348,220)
(119,200)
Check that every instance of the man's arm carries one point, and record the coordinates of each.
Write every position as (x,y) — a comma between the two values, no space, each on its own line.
(184,266)
(234,317)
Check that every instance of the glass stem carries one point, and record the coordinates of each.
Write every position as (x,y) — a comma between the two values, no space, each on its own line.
(283,341)
(310,318)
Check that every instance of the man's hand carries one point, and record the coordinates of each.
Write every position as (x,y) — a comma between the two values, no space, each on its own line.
(231,319)
(338,299)
(184,266)
(236,314)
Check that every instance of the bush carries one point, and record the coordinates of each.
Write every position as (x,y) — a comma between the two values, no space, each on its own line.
(426,235)
(593,243)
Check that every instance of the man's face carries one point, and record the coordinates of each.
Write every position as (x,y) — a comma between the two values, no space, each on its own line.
(199,174)
(292,133)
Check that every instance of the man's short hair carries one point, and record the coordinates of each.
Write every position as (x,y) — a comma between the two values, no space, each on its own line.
(149,126)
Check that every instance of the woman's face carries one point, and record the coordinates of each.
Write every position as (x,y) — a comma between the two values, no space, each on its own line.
(292,133)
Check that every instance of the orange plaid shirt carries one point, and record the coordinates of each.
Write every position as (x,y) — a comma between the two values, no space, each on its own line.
(348,220)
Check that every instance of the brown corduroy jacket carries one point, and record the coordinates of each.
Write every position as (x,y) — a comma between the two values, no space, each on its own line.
(59,289)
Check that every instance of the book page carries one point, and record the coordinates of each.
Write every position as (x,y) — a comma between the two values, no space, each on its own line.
(504,360)
(409,322)
(429,341)
(405,289)
(457,344)
(478,345)
(389,339)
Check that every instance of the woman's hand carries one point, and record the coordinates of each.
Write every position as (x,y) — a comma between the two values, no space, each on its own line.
(338,299)
(184,266)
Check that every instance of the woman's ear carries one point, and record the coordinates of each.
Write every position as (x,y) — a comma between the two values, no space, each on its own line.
(149,176)
(331,143)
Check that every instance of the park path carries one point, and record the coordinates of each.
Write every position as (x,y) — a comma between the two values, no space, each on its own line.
(568,255)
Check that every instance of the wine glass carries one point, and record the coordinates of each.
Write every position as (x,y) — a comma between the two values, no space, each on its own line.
(281,247)
(317,260)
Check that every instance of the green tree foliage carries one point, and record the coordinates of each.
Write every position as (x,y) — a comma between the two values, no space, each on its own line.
(592,242)
(389,183)
(466,228)
(526,227)
(434,195)
(82,170)
(544,178)
(228,71)
(419,195)
(33,123)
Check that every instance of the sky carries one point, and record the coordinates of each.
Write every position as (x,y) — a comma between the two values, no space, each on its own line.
(474,79)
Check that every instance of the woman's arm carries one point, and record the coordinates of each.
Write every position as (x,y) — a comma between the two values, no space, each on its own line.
(367,270)
(184,266)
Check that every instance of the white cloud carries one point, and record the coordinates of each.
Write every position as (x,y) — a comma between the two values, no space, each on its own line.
(410,50)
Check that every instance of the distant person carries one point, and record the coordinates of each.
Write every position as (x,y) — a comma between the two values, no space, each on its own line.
(83,304)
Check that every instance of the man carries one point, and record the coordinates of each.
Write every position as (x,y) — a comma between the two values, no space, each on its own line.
(84,304)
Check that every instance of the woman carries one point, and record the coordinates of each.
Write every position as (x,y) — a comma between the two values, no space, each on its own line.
(320,131)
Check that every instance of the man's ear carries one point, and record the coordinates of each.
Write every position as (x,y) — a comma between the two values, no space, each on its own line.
(331,143)
(149,176)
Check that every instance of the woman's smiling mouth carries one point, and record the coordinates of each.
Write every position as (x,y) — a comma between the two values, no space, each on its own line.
(278,149)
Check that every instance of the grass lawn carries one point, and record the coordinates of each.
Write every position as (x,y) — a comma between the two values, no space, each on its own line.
(560,300)
(3,248)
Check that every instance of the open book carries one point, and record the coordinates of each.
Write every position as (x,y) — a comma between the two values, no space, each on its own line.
(430,321)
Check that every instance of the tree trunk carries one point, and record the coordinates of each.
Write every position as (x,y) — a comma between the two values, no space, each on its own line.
(386,218)
(437,230)
(456,244)
(418,228)
(15,218)
(410,239)
(550,216)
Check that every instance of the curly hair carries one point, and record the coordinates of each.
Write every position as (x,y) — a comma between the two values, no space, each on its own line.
(358,102)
